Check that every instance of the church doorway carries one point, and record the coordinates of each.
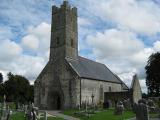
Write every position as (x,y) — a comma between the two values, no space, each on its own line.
(58,103)
(54,101)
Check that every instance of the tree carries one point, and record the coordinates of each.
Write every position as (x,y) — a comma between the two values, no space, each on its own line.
(1,87)
(1,78)
(153,74)
(18,89)
(144,95)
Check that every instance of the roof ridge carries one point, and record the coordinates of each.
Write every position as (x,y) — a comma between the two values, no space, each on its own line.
(90,60)
(121,80)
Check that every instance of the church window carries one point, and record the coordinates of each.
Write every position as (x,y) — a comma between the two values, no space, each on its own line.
(57,40)
(110,89)
(72,42)
(101,92)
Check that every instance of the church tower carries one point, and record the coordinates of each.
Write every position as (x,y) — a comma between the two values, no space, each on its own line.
(64,36)
(55,85)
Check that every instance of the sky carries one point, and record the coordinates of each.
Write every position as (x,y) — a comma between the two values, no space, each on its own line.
(122,34)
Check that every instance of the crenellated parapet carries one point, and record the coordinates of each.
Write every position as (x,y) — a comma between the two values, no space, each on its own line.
(64,7)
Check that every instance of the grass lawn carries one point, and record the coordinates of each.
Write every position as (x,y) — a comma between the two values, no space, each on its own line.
(153,115)
(51,118)
(103,115)
(17,116)
(20,116)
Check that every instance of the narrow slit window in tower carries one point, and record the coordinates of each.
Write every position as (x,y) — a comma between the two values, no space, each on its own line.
(57,40)
(72,43)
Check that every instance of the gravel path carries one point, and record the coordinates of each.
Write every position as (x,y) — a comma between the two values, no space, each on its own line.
(59,114)
(149,119)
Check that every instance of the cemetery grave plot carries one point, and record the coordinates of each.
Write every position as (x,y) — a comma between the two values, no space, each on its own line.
(143,110)
(99,115)
(9,111)
(20,116)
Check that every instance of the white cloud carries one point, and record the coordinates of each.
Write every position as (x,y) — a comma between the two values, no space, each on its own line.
(143,85)
(157,46)
(83,21)
(30,42)
(42,30)
(9,50)
(22,13)
(127,77)
(140,58)
(29,66)
(26,65)
(139,16)
(38,39)
(4,73)
(17,60)
(115,43)
(5,32)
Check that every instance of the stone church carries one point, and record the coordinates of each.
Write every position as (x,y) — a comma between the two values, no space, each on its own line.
(69,80)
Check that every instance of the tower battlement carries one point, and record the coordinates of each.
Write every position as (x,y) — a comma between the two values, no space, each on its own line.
(65,6)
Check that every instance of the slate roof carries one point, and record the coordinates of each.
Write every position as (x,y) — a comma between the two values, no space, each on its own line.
(124,86)
(86,68)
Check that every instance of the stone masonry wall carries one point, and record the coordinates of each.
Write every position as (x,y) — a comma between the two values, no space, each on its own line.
(137,93)
(97,89)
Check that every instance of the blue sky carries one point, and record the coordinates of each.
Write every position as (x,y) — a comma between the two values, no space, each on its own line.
(119,33)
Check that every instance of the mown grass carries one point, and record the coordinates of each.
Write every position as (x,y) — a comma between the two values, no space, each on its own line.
(103,115)
(154,115)
(51,118)
(20,116)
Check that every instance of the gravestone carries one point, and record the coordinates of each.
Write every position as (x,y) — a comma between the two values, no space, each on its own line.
(127,104)
(33,113)
(142,101)
(5,110)
(29,115)
(151,106)
(141,110)
(119,108)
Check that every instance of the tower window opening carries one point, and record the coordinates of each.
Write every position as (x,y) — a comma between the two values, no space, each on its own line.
(57,40)
(72,42)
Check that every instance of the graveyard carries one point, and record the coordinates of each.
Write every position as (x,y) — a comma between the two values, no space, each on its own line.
(144,110)
(147,108)
(100,115)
